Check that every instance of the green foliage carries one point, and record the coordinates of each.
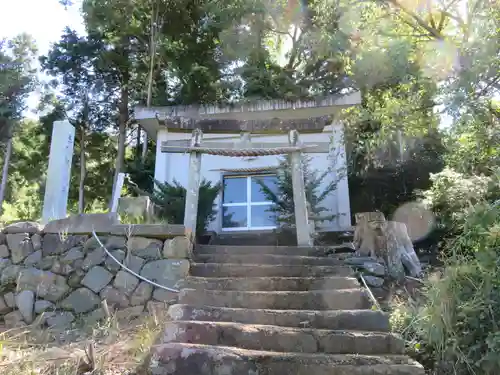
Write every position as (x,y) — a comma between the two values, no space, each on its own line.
(281,194)
(473,140)
(453,194)
(25,186)
(455,330)
(170,201)
(17,79)
(386,185)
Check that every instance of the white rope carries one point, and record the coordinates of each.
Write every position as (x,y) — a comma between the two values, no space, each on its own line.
(129,270)
(414,279)
(372,297)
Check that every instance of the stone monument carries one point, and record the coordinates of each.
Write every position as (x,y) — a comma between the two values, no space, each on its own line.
(59,172)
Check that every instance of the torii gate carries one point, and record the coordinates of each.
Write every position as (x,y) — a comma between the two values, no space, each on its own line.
(260,116)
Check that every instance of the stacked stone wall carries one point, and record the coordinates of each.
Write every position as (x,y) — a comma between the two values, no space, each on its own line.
(57,278)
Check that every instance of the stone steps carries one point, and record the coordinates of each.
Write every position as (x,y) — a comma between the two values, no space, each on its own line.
(362,320)
(339,299)
(259,270)
(269,283)
(271,310)
(282,339)
(269,259)
(183,358)
(316,251)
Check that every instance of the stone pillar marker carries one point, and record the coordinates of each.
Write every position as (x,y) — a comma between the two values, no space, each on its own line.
(299,193)
(59,172)
(193,188)
(161,161)
(117,192)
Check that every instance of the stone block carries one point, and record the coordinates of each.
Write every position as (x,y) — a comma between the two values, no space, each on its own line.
(111,264)
(143,247)
(166,296)
(10,274)
(94,317)
(75,279)
(45,284)
(47,262)
(3,238)
(4,263)
(60,319)
(129,313)
(156,308)
(25,302)
(114,297)
(59,243)
(141,294)
(73,255)
(37,241)
(83,224)
(374,281)
(134,263)
(97,278)
(125,282)
(43,305)
(33,259)
(166,272)
(14,319)
(160,231)
(374,268)
(10,299)
(94,258)
(177,248)
(81,300)
(23,227)
(4,308)
(20,246)
(4,251)
(61,268)
(92,243)
(115,242)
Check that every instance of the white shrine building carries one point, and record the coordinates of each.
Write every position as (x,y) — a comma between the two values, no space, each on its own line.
(241,205)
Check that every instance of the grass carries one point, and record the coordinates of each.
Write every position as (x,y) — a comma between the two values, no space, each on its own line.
(111,347)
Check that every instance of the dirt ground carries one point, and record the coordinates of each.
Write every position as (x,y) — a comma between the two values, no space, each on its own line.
(110,347)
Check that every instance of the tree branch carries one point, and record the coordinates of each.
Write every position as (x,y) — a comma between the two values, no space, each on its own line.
(420,22)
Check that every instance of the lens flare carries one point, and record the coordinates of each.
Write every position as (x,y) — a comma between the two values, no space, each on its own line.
(419,221)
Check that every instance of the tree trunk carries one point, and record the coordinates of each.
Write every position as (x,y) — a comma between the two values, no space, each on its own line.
(5,171)
(152,52)
(386,240)
(123,118)
(83,172)
(364,236)
(138,152)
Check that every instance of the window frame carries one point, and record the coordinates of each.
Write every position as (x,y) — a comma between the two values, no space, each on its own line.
(248,203)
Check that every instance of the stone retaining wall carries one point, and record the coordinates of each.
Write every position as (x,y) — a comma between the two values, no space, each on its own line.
(65,276)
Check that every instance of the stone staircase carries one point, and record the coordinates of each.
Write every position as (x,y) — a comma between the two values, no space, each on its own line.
(247,310)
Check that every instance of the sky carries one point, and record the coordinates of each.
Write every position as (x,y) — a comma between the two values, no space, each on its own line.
(44,20)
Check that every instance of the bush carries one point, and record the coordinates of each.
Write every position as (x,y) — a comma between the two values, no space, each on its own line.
(455,331)
(452,194)
(170,201)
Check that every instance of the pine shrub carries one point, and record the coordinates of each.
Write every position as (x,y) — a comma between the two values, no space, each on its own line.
(282,194)
(170,201)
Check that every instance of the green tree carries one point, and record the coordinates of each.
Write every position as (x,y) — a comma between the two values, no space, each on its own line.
(17,78)
(170,202)
(473,141)
(72,63)
(281,193)
(24,196)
